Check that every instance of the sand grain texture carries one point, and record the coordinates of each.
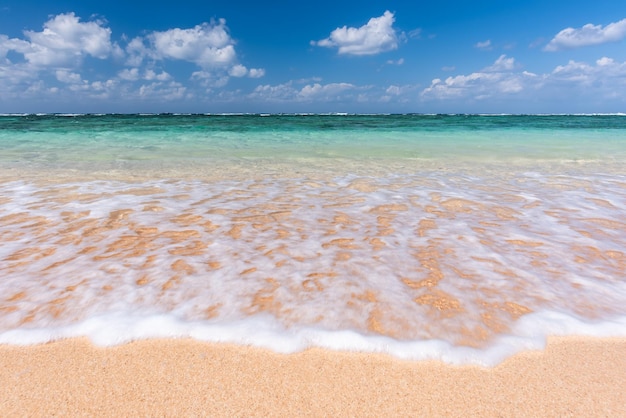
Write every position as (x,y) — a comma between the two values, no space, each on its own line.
(573,377)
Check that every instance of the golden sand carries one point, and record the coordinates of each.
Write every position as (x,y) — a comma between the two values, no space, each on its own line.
(573,377)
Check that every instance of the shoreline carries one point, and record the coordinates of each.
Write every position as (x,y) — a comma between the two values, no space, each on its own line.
(573,376)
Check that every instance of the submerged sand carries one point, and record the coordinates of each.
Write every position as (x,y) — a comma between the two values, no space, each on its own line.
(572,377)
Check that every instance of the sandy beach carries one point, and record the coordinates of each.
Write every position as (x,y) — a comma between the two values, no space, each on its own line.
(572,377)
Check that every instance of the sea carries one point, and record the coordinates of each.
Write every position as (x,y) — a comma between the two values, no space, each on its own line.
(459,238)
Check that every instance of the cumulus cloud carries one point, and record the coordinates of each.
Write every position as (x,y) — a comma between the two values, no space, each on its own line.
(477,85)
(64,41)
(589,34)
(59,48)
(65,76)
(377,36)
(241,71)
(256,72)
(49,63)
(129,74)
(238,71)
(208,45)
(493,80)
(605,72)
(152,75)
(137,51)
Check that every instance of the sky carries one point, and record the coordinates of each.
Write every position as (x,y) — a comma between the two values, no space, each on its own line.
(449,56)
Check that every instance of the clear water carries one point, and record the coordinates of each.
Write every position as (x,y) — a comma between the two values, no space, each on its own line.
(454,237)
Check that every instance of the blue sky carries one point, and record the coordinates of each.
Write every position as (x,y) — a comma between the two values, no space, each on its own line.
(239,56)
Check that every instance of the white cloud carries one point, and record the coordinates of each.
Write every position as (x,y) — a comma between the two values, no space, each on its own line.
(306,93)
(238,71)
(68,77)
(290,92)
(587,35)
(65,40)
(11,44)
(153,90)
(397,94)
(604,61)
(377,36)
(475,84)
(502,64)
(133,74)
(585,82)
(152,75)
(494,80)
(14,74)
(129,74)
(605,74)
(276,93)
(136,50)
(393,90)
(208,45)
(210,79)
(97,89)
(326,91)
(50,61)
(574,71)
(256,72)
(486,45)
(162,91)
(58,49)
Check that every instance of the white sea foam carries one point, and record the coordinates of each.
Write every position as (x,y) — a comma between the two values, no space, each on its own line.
(464,269)
(263,331)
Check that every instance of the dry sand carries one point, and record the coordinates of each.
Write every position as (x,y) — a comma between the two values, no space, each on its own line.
(573,377)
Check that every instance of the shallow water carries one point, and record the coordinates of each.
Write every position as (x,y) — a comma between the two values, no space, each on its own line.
(460,238)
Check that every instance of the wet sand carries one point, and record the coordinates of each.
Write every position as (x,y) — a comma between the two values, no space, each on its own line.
(572,377)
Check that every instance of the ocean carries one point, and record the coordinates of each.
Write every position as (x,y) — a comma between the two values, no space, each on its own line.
(460,238)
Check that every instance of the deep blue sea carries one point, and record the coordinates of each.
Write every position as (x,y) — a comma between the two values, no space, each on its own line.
(463,238)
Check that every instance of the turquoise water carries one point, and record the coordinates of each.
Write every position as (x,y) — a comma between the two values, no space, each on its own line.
(109,141)
(451,237)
